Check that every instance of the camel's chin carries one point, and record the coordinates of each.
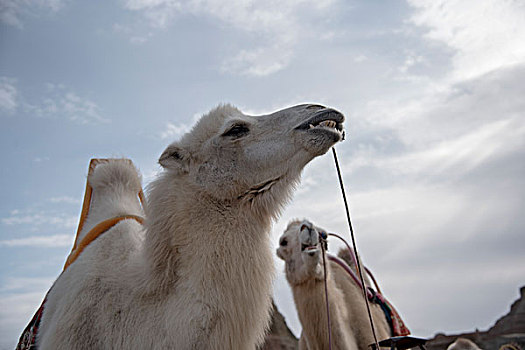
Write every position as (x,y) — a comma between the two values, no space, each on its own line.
(319,140)
(330,134)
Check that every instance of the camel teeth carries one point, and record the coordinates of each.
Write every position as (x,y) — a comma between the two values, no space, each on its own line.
(328,123)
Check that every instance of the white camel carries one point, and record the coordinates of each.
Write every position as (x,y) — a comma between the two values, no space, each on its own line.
(199,274)
(300,248)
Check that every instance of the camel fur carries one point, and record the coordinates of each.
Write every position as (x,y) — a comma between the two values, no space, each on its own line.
(299,247)
(198,274)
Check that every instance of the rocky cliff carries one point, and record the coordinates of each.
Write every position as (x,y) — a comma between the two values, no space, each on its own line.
(509,329)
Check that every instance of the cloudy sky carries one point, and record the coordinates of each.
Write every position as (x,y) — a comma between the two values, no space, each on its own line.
(434,161)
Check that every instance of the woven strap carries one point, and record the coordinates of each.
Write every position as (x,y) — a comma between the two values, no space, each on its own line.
(95,233)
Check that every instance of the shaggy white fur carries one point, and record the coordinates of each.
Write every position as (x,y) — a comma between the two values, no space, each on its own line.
(199,274)
(300,248)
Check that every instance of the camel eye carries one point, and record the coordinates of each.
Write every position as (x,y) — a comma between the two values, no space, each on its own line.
(284,242)
(237,131)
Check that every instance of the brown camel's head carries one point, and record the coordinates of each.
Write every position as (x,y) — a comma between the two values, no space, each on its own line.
(300,248)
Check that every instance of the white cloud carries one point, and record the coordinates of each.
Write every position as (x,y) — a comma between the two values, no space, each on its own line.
(12,284)
(172,131)
(410,61)
(8,94)
(485,34)
(441,112)
(36,219)
(65,199)
(61,102)
(175,131)
(40,241)
(275,25)
(259,62)
(12,11)
(454,157)
(360,58)
(16,310)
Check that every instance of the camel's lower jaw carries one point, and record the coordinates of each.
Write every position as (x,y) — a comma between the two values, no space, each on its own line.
(333,134)
(310,250)
(319,140)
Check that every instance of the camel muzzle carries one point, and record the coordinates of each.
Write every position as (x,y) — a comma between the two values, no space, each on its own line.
(327,117)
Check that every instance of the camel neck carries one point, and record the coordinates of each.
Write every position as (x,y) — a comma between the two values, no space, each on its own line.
(188,240)
(310,301)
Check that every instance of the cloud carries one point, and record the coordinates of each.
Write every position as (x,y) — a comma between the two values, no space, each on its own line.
(447,111)
(19,299)
(53,241)
(275,26)
(61,102)
(176,130)
(410,61)
(173,131)
(36,219)
(65,199)
(128,31)
(41,159)
(13,11)
(360,58)
(259,62)
(8,94)
(17,284)
(484,35)
(457,156)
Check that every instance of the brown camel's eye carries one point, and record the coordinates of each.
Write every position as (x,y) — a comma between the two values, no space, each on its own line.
(237,131)
(284,242)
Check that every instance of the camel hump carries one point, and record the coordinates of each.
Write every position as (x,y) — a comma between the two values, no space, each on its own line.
(114,173)
(346,255)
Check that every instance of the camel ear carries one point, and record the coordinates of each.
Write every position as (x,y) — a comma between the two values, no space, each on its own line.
(175,158)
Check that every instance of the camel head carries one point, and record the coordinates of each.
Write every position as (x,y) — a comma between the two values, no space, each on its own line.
(300,248)
(234,157)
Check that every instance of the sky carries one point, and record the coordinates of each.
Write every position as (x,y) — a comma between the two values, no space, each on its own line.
(433,163)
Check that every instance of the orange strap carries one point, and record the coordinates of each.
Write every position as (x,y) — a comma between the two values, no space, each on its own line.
(101,227)
(95,232)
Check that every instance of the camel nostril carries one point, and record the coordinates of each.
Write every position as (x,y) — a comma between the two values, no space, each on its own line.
(305,227)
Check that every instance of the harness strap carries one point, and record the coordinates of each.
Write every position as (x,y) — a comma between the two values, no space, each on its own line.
(86,204)
(397,326)
(95,232)
(103,226)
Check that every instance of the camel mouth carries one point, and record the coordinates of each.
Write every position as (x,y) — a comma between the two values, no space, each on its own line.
(310,249)
(325,120)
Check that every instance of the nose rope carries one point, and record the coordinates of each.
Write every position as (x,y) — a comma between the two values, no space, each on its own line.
(355,247)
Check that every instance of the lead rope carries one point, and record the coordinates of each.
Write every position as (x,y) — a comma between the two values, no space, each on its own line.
(360,273)
(323,242)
